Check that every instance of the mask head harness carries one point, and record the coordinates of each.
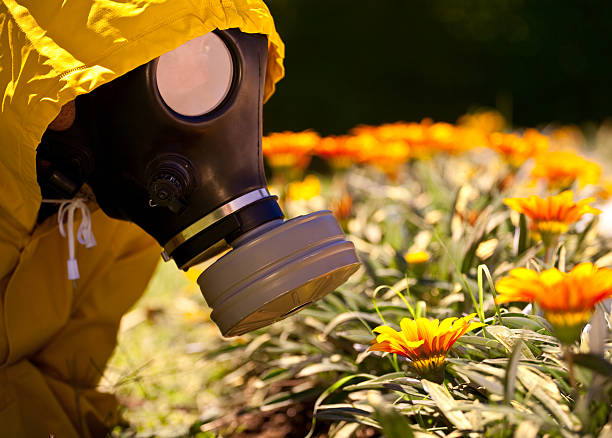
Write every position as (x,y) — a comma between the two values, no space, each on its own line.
(175,146)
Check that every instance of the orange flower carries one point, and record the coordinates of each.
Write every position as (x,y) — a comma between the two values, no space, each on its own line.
(567,299)
(289,149)
(485,121)
(552,215)
(419,140)
(386,154)
(338,150)
(568,137)
(411,133)
(604,191)
(342,208)
(448,138)
(561,168)
(516,150)
(425,342)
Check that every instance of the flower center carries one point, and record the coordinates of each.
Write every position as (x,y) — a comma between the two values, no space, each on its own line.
(551,227)
(427,364)
(568,326)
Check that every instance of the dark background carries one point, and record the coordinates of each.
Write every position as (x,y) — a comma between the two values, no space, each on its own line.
(375,61)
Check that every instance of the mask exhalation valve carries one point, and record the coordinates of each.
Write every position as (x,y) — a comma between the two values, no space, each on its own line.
(170,182)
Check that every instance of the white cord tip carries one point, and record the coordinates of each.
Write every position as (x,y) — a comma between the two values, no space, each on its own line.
(73,269)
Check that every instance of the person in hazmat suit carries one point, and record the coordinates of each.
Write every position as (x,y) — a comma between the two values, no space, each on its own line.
(55,337)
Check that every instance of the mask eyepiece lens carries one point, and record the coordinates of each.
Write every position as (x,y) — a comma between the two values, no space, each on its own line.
(195,78)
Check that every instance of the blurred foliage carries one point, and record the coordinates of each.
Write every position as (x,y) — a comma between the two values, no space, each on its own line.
(352,62)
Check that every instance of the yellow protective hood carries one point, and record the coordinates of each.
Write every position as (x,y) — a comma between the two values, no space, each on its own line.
(53,50)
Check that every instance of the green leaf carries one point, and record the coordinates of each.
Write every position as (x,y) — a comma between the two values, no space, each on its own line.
(318,368)
(507,338)
(511,371)
(392,423)
(595,363)
(357,336)
(272,373)
(545,390)
(349,316)
(523,235)
(490,384)
(393,381)
(447,405)
(530,322)
(338,384)
(477,235)
(586,231)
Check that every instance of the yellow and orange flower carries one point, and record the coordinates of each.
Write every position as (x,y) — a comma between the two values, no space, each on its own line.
(552,215)
(411,133)
(484,121)
(289,149)
(420,140)
(561,168)
(338,150)
(604,190)
(515,150)
(425,342)
(568,137)
(567,299)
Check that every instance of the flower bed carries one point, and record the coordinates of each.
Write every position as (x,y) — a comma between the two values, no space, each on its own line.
(480,308)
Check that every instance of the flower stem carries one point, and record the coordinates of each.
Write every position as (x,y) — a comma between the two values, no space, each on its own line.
(548,255)
(394,363)
(569,357)
(445,384)
(550,244)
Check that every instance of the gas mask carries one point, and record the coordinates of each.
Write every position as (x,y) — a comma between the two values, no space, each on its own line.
(175,147)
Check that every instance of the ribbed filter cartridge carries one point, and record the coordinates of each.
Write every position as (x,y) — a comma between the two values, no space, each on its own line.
(276,271)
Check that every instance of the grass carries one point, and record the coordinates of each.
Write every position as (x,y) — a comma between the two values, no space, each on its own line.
(157,370)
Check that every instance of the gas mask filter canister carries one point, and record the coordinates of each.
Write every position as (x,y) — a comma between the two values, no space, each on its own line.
(175,146)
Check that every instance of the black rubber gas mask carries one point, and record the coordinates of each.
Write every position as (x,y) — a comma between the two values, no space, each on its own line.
(175,146)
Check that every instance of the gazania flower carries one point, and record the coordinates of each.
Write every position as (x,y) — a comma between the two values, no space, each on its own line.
(289,149)
(385,154)
(410,133)
(416,140)
(567,299)
(552,215)
(338,150)
(515,150)
(604,190)
(448,138)
(561,168)
(485,121)
(567,137)
(425,342)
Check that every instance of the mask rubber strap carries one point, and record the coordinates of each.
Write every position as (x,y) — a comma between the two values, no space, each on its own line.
(85,236)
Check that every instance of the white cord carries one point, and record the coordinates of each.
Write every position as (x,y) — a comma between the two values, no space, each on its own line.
(85,236)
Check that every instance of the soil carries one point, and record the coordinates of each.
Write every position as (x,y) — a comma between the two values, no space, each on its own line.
(292,421)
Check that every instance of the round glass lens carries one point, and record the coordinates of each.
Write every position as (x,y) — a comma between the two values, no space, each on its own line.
(194,78)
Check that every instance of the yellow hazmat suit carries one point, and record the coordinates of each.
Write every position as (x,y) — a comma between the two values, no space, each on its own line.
(55,340)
